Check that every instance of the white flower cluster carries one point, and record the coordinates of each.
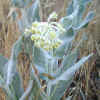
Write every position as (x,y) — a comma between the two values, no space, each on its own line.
(46,34)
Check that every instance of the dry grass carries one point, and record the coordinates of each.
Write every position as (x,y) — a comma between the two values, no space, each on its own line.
(87,78)
(8,29)
(8,33)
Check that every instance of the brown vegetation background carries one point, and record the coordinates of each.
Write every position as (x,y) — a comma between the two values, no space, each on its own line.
(88,78)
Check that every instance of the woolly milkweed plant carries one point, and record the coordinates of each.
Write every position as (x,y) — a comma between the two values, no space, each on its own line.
(47,44)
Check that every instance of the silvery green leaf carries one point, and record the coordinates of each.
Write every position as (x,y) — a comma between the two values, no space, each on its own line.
(11,65)
(81,12)
(68,61)
(79,18)
(62,50)
(67,38)
(68,35)
(70,8)
(21,3)
(59,85)
(28,45)
(81,2)
(70,72)
(84,2)
(18,3)
(52,68)
(33,12)
(3,61)
(28,2)
(58,90)
(17,47)
(11,69)
(29,15)
(66,22)
(40,59)
(6,89)
(17,85)
(75,12)
(88,18)
(2,82)
(36,93)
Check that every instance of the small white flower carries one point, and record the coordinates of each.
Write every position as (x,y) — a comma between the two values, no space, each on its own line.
(53,15)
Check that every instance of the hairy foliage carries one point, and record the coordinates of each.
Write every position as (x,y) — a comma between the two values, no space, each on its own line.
(44,65)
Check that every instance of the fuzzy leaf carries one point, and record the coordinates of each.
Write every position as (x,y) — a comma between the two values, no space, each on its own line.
(65,77)
(70,72)
(17,85)
(68,35)
(17,47)
(1,82)
(88,18)
(67,38)
(35,10)
(11,69)
(28,45)
(68,61)
(40,59)
(84,2)
(18,3)
(70,8)
(81,2)
(29,15)
(66,22)
(78,19)
(3,61)
(36,92)
(62,50)
(58,90)
(11,65)
(21,3)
